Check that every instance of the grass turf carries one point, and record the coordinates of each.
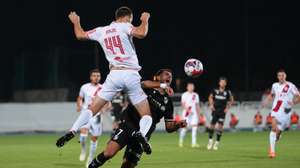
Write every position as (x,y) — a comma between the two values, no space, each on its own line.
(237,150)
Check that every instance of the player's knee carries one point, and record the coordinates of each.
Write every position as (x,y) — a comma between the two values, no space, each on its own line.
(94,138)
(109,153)
(143,108)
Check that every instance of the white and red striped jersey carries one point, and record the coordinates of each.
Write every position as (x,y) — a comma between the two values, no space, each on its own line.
(88,91)
(190,100)
(117,44)
(283,94)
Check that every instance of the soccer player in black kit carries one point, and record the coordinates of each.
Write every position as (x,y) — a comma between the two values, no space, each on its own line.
(220,100)
(161,106)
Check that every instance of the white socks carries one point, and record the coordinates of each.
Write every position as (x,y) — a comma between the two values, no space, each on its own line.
(194,135)
(272,141)
(93,148)
(145,124)
(182,135)
(83,118)
(82,140)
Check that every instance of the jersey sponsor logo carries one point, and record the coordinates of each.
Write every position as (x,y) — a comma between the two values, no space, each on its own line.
(220,97)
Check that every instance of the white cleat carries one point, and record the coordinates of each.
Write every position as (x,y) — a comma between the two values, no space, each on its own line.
(216,145)
(180,145)
(210,144)
(82,156)
(195,146)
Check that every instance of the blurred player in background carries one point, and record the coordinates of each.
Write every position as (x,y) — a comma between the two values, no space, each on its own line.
(269,122)
(161,107)
(116,40)
(257,121)
(191,113)
(233,122)
(118,103)
(87,93)
(220,100)
(284,95)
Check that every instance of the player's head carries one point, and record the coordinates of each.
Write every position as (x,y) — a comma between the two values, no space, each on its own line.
(164,76)
(124,13)
(190,87)
(222,82)
(95,76)
(281,75)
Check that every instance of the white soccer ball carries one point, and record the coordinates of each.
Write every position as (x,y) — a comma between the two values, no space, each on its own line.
(193,67)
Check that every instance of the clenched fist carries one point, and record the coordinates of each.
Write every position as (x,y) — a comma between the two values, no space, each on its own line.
(74,18)
(145,16)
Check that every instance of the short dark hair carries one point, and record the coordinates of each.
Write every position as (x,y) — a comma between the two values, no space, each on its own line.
(160,72)
(123,11)
(96,70)
(223,78)
(281,70)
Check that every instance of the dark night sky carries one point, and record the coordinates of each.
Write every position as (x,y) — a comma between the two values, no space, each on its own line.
(245,40)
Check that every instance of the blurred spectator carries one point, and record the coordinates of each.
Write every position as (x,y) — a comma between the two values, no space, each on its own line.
(257,121)
(269,122)
(233,122)
(178,85)
(294,120)
(202,122)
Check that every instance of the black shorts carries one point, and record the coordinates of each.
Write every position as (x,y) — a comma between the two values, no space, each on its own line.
(122,136)
(218,117)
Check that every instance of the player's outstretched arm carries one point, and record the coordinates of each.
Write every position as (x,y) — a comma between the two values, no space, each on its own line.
(79,32)
(141,31)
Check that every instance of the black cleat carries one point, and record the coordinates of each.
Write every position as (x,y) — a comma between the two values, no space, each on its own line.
(94,164)
(62,140)
(143,141)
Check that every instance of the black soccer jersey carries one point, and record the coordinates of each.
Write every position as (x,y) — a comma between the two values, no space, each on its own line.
(160,106)
(221,99)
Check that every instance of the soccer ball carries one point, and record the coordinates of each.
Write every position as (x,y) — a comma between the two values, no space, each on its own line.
(193,67)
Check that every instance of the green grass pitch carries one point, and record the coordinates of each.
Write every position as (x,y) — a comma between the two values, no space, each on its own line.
(237,150)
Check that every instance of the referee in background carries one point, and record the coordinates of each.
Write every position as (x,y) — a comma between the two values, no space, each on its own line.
(220,100)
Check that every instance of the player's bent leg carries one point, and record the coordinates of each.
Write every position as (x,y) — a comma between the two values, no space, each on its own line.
(219,132)
(97,104)
(145,124)
(111,150)
(210,136)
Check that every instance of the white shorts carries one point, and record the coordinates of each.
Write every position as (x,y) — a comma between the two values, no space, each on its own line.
(128,81)
(191,120)
(94,126)
(283,119)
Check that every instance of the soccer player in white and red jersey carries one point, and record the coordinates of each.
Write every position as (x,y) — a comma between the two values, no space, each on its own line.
(191,113)
(117,44)
(284,95)
(86,95)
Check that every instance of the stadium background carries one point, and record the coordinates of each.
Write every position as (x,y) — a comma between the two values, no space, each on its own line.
(245,40)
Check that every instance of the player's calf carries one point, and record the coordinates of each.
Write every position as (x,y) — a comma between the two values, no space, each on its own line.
(99,161)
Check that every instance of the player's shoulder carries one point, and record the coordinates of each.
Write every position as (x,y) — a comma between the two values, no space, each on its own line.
(275,84)
(86,85)
(290,83)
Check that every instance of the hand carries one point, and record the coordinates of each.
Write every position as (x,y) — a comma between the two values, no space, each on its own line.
(78,109)
(291,103)
(226,110)
(74,18)
(145,17)
(212,108)
(169,91)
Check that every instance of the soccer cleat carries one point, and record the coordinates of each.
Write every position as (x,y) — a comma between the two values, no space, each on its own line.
(88,162)
(94,164)
(143,141)
(62,140)
(180,145)
(82,156)
(210,144)
(195,146)
(216,145)
(272,155)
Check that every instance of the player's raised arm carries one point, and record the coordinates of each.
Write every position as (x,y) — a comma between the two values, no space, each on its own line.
(142,30)
(79,32)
